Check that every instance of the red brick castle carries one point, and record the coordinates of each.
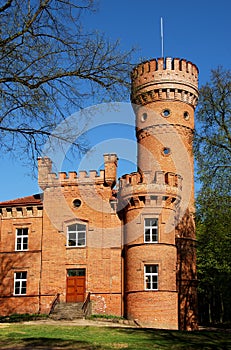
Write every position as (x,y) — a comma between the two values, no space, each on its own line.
(123,247)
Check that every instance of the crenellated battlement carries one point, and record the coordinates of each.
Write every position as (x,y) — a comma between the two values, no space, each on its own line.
(160,178)
(161,79)
(74,178)
(166,186)
(171,67)
(47,178)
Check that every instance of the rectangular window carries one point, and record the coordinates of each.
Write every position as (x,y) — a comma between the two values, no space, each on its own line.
(76,235)
(151,277)
(20,279)
(151,230)
(21,242)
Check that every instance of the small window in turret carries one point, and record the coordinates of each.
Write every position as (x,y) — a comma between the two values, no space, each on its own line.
(151,230)
(77,203)
(166,113)
(151,277)
(186,115)
(166,151)
(144,117)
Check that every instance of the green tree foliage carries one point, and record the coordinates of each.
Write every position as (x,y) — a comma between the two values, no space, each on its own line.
(213,154)
(213,138)
(213,256)
(51,66)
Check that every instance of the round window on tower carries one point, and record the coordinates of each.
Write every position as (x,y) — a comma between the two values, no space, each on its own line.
(144,117)
(166,151)
(186,115)
(166,113)
(77,203)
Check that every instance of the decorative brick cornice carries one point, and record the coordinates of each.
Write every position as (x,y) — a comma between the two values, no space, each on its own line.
(169,94)
(163,129)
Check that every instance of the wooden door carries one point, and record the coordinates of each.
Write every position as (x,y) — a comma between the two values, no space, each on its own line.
(75,289)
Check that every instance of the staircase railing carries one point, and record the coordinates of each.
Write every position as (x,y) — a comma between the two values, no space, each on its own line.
(86,305)
(55,302)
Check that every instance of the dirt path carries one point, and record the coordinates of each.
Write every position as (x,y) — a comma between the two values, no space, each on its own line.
(83,322)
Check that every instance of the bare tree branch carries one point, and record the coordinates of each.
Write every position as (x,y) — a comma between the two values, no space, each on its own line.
(50,67)
(6,5)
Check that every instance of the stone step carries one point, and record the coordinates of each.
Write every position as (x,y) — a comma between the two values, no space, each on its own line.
(67,311)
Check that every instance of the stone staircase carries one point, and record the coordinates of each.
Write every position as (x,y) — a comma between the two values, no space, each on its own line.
(67,311)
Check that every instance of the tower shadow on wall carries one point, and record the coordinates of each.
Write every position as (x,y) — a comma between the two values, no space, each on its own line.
(186,273)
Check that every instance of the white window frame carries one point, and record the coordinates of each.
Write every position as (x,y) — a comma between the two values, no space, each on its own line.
(21,239)
(153,229)
(20,283)
(74,235)
(151,277)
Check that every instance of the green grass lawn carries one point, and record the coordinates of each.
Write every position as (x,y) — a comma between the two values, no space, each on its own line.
(49,337)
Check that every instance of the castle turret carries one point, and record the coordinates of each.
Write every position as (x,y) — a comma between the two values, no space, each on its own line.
(158,200)
(164,94)
(44,169)
(110,166)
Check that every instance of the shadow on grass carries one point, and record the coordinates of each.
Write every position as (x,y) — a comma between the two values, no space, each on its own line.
(47,344)
(103,338)
(164,339)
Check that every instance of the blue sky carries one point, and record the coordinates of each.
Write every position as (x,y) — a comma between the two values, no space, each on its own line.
(196,30)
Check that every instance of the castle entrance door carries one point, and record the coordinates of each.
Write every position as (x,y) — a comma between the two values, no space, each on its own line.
(76,280)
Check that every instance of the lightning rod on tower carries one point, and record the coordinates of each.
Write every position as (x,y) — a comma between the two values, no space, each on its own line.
(162,37)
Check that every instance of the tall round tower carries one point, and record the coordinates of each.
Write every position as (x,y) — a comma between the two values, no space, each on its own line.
(158,200)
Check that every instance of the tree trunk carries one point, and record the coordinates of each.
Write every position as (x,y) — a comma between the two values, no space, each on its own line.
(222,308)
